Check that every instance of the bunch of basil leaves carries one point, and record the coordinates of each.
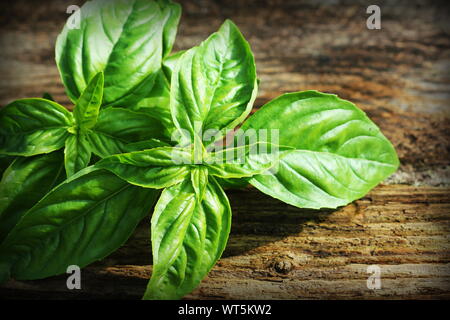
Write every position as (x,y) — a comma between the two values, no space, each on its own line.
(135,141)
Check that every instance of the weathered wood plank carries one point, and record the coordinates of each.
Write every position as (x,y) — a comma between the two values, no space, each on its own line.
(298,46)
(276,251)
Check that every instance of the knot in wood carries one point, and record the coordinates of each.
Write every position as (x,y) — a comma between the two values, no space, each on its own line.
(282,266)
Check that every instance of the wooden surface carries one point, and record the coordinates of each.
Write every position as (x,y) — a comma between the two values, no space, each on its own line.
(399,75)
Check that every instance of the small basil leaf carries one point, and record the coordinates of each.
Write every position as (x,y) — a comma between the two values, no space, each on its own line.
(82,220)
(24,183)
(199,180)
(244,161)
(340,153)
(155,168)
(188,237)
(127,40)
(77,154)
(214,85)
(116,127)
(87,107)
(33,126)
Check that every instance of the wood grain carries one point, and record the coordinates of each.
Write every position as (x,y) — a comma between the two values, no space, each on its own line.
(306,254)
(399,75)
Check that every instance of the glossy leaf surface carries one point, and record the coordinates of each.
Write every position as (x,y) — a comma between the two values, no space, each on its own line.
(88,105)
(213,86)
(126,39)
(77,154)
(80,221)
(24,183)
(340,153)
(188,237)
(33,126)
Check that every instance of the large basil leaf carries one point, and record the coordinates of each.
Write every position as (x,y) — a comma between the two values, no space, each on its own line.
(214,85)
(126,39)
(33,126)
(80,221)
(77,154)
(154,168)
(88,105)
(117,127)
(188,237)
(24,183)
(340,153)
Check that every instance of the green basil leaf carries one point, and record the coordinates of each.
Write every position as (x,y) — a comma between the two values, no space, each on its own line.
(199,180)
(24,183)
(127,40)
(117,127)
(33,126)
(88,105)
(244,161)
(340,153)
(188,237)
(155,168)
(311,179)
(172,12)
(77,154)
(214,85)
(82,220)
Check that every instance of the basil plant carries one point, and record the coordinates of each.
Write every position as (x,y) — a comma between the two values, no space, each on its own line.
(163,132)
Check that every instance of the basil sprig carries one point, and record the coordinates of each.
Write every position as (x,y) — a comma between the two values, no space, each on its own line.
(328,152)
(35,126)
(192,218)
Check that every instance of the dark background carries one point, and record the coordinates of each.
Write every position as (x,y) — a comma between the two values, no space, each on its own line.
(399,75)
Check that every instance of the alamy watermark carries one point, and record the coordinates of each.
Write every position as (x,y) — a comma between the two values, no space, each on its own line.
(74,21)
(74,280)
(374,20)
(374,280)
